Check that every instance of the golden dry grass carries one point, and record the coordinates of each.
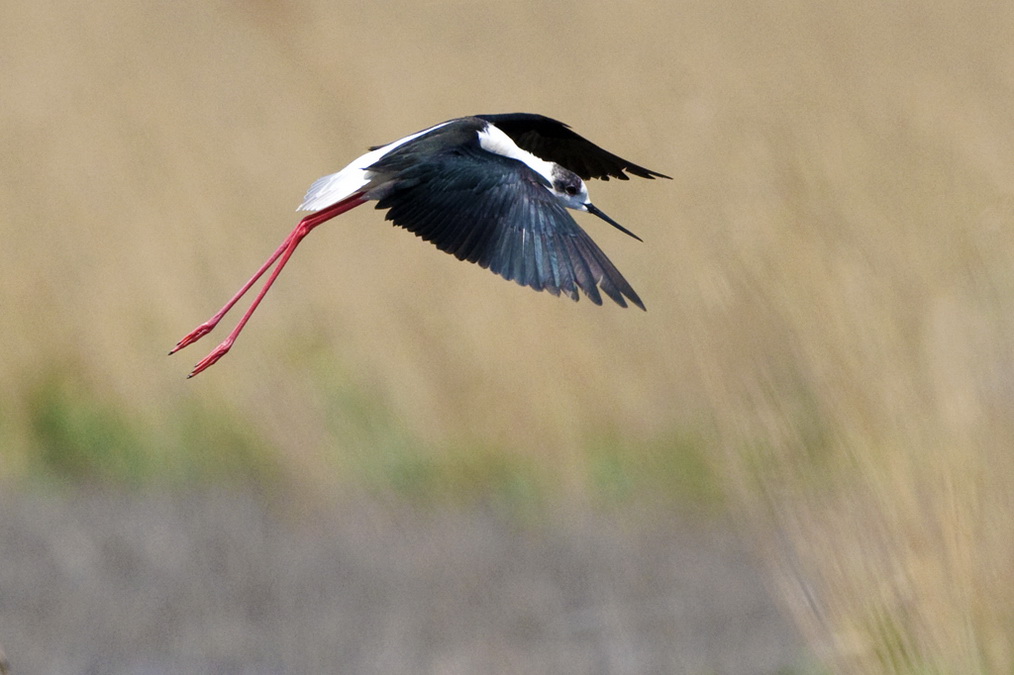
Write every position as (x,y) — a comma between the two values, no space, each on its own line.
(829,276)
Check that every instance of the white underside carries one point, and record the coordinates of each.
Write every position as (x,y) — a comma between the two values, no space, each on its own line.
(335,187)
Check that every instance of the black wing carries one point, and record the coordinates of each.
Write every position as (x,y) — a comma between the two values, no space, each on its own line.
(496,212)
(554,141)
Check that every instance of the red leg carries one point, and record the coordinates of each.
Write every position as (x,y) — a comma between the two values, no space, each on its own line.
(284,252)
(208,325)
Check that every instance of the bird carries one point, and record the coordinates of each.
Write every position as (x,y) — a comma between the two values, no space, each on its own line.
(489,189)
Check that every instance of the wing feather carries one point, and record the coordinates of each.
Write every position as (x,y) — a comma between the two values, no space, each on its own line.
(495,211)
(555,142)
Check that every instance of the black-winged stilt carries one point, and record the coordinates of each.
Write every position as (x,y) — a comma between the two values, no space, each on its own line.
(490,189)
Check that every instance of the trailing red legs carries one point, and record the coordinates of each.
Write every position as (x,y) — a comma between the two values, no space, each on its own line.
(495,190)
(284,252)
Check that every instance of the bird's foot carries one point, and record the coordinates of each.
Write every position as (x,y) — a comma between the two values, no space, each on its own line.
(194,335)
(209,360)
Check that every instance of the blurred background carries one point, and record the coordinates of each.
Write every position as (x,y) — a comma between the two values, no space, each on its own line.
(798,460)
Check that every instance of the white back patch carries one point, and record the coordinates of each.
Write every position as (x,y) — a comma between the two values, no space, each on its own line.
(338,186)
(496,141)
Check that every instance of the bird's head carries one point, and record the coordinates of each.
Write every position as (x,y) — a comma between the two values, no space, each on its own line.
(571,190)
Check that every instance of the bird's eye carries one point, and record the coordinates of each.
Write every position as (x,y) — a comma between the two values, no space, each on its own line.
(570,189)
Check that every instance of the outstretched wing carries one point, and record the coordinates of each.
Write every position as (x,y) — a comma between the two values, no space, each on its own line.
(554,141)
(496,212)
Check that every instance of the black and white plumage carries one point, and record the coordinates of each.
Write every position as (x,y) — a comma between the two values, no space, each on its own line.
(490,189)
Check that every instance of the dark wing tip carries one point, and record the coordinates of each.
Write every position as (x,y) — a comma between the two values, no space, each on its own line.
(555,141)
(617,167)
(646,173)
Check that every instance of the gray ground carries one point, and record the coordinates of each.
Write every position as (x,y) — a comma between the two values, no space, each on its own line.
(221,583)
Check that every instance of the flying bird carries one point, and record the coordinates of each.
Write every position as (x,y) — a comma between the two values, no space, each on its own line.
(489,189)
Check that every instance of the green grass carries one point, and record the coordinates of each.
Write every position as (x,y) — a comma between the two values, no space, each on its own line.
(675,468)
(81,435)
(78,434)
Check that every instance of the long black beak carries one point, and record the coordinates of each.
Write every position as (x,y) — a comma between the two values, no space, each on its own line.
(594,210)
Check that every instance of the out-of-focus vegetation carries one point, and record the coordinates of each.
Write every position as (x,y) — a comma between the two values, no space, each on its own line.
(828,277)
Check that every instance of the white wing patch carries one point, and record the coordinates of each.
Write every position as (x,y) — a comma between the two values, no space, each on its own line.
(335,187)
(496,141)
